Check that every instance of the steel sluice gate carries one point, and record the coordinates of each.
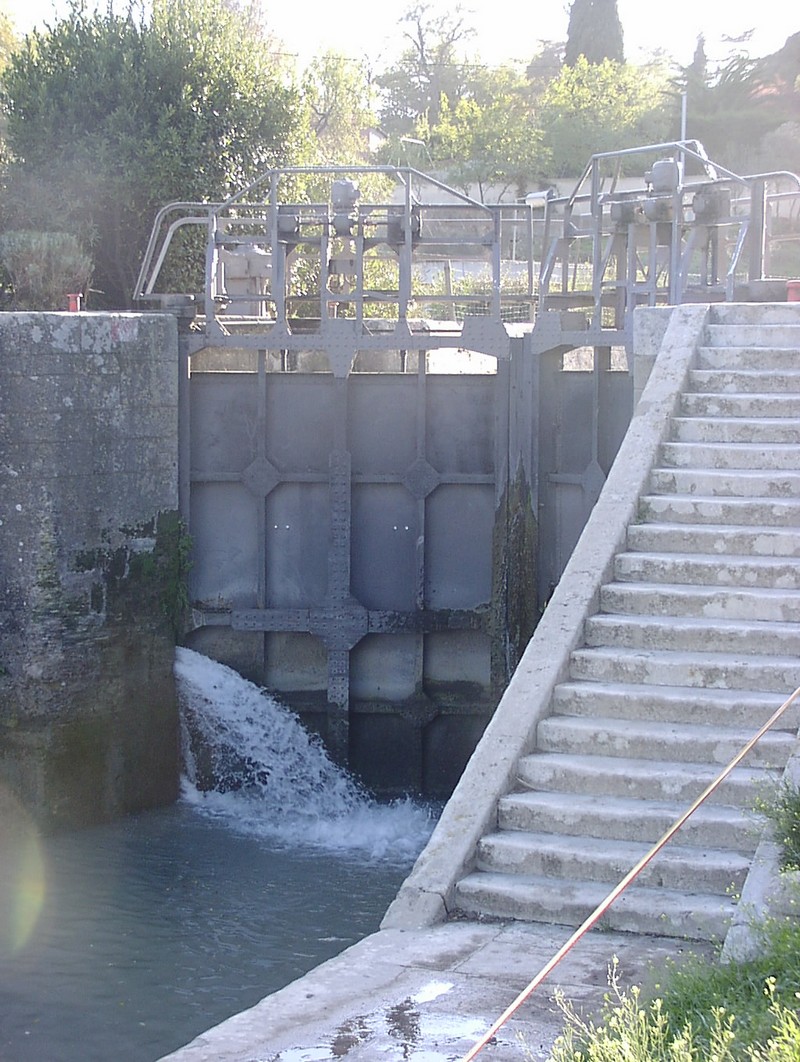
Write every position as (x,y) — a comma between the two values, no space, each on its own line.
(374,464)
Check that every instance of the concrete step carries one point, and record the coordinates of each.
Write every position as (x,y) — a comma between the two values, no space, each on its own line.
(773,674)
(766,431)
(751,405)
(781,334)
(610,776)
(562,856)
(700,569)
(733,483)
(616,818)
(775,457)
(744,381)
(711,602)
(714,539)
(685,633)
(663,912)
(675,704)
(763,314)
(781,359)
(649,740)
(706,509)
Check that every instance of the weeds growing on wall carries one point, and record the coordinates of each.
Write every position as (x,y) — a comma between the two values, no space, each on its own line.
(781,807)
(167,568)
(174,547)
(158,575)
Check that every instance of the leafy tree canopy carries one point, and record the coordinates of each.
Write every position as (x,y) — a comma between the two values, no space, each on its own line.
(8,42)
(489,136)
(599,107)
(732,107)
(336,91)
(546,64)
(430,67)
(8,38)
(110,117)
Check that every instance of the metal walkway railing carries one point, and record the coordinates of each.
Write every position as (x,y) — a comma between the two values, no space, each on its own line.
(304,246)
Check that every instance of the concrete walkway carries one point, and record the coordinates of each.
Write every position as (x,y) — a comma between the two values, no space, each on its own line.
(427,995)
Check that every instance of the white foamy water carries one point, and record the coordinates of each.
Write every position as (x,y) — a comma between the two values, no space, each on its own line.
(272,778)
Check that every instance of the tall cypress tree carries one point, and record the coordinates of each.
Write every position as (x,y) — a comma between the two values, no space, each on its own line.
(578,30)
(594,31)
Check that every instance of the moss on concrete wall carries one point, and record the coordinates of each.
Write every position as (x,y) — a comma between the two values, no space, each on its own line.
(90,551)
(514,553)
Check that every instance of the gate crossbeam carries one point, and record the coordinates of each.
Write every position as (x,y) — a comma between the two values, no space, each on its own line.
(332,627)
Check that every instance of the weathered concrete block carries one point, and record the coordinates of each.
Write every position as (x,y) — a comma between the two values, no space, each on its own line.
(90,563)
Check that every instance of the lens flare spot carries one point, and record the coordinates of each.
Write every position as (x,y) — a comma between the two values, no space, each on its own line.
(22,875)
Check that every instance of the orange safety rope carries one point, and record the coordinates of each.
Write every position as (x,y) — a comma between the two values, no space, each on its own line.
(601,909)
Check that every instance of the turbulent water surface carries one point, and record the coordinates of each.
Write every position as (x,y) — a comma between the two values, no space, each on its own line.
(156,928)
(273,779)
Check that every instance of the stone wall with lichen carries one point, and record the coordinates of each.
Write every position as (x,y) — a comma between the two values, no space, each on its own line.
(90,563)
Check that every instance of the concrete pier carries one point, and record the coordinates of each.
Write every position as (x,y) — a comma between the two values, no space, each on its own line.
(90,579)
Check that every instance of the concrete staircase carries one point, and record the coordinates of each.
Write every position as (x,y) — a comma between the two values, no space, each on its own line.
(696,643)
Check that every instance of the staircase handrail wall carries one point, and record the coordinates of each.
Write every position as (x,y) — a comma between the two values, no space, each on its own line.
(426,895)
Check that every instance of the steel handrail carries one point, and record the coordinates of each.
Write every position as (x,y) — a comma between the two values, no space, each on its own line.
(398,172)
(618,889)
(154,233)
(159,243)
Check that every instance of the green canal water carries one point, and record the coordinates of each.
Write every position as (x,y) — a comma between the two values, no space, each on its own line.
(151,930)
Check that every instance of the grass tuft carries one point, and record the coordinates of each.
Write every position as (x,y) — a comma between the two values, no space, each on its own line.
(734,1012)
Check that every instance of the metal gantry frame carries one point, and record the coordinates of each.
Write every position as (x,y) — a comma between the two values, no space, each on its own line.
(296,260)
(285,271)
(673,239)
(292,546)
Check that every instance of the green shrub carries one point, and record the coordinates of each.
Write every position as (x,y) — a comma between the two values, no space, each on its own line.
(44,268)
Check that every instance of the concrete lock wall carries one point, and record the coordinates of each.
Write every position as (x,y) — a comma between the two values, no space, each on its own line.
(91,554)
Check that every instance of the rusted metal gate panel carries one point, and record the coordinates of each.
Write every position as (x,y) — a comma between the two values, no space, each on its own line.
(351,553)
